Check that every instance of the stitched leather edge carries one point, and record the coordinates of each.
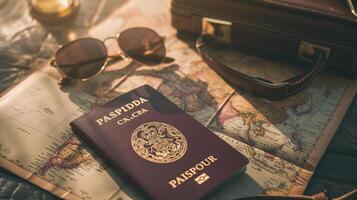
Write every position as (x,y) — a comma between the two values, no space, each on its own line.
(316,11)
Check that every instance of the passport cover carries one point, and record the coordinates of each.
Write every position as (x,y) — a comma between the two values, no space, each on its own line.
(161,148)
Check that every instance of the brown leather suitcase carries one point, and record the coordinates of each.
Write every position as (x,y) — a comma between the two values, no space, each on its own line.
(320,32)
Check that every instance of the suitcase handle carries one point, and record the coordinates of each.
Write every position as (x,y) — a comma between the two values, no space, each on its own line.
(262,87)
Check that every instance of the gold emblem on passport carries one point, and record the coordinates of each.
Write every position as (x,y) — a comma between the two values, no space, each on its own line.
(201,178)
(158,142)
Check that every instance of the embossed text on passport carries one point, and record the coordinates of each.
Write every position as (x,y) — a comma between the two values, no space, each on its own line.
(123,109)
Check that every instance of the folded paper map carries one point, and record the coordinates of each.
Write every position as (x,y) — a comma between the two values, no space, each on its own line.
(283,140)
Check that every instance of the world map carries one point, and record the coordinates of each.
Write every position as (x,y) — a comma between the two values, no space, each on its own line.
(288,128)
(279,138)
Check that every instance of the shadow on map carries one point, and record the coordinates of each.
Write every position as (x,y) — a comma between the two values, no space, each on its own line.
(238,187)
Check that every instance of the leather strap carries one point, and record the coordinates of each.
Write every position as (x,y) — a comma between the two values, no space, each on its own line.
(259,86)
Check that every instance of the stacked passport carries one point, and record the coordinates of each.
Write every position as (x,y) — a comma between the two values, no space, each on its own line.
(162,149)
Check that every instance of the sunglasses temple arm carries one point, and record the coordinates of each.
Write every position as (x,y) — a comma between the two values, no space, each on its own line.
(168,60)
(117,57)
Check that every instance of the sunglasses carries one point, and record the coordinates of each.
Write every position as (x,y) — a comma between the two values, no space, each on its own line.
(85,58)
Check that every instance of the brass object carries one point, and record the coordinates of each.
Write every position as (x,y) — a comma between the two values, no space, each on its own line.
(53,10)
(352,7)
(218,29)
(307,50)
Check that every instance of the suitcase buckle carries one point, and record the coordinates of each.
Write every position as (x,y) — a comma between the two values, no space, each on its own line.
(352,7)
(307,51)
(218,29)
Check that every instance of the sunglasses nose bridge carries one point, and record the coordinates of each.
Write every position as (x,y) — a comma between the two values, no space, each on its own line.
(110,38)
(113,48)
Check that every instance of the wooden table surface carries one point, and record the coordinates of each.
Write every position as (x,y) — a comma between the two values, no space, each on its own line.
(336,173)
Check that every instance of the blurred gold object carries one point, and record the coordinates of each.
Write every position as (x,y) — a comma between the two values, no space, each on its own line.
(352,7)
(53,10)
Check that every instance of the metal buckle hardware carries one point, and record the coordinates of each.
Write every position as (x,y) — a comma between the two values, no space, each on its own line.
(352,7)
(218,29)
(308,50)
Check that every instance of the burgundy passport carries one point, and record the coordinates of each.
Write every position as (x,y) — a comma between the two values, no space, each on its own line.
(162,149)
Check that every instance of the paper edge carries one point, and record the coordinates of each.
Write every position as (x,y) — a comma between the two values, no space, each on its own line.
(331,127)
(38,181)
(301,183)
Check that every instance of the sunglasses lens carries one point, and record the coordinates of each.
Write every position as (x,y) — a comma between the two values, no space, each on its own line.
(82,58)
(143,45)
